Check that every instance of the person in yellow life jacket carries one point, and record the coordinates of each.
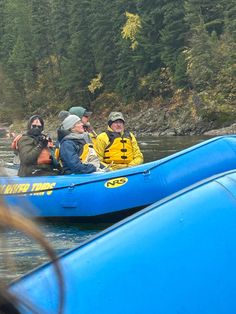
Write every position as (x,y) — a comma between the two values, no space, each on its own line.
(117,147)
(84,115)
(34,150)
(77,154)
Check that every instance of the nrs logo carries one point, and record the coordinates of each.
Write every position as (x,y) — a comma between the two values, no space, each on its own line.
(115,183)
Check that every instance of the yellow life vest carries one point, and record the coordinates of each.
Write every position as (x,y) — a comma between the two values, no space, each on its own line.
(120,149)
(83,155)
(85,152)
(57,153)
(93,138)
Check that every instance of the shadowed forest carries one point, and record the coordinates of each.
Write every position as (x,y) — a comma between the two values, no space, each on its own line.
(59,53)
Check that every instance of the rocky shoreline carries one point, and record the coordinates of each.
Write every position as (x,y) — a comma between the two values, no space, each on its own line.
(223,131)
(147,121)
(156,122)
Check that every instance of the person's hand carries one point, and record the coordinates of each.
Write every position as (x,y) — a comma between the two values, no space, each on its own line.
(88,127)
(100,170)
(43,140)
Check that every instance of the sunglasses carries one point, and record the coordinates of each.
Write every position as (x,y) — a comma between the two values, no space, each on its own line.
(34,126)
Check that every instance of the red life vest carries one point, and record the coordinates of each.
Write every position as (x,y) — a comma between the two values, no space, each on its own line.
(14,144)
(44,157)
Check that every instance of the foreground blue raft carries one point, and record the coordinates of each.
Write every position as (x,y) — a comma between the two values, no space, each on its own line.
(110,196)
(177,256)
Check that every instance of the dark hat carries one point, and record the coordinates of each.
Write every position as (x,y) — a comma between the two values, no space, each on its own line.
(63,114)
(80,112)
(31,120)
(113,116)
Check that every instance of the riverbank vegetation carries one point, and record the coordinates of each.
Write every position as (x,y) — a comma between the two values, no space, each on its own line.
(119,54)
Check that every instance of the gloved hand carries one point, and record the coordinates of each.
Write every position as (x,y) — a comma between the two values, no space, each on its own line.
(103,169)
(99,170)
(88,127)
(43,140)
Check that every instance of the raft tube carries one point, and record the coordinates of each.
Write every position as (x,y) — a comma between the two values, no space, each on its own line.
(176,256)
(102,197)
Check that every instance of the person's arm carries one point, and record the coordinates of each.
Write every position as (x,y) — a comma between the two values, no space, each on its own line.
(29,150)
(138,156)
(100,145)
(70,157)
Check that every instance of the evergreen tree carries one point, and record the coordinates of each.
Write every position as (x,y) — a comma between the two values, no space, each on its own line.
(173,33)
(148,51)
(230,18)
(54,52)
(11,103)
(180,78)
(17,55)
(147,55)
(61,37)
(127,85)
(211,12)
(225,86)
(203,64)
(46,72)
(2,26)
(9,30)
(42,29)
(126,80)
(79,66)
(60,26)
(103,28)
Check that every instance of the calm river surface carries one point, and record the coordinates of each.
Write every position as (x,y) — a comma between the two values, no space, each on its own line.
(26,254)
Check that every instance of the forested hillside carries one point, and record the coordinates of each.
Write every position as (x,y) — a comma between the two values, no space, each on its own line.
(58,53)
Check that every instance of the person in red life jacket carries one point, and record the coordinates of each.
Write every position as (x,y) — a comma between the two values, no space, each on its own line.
(34,149)
(117,148)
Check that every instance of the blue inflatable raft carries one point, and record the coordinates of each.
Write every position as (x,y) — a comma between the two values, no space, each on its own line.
(110,196)
(176,256)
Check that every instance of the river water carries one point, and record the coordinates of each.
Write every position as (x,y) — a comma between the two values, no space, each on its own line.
(25,254)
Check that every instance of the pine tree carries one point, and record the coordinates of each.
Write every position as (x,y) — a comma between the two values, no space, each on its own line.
(126,71)
(180,78)
(210,12)
(46,68)
(2,26)
(79,66)
(202,58)
(42,29)
(103,40)
(16,47)
(127,85)
(60,26)
(173,33)
(148,51)
(61,37)
(13,74)
(230,18)
(225,86)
